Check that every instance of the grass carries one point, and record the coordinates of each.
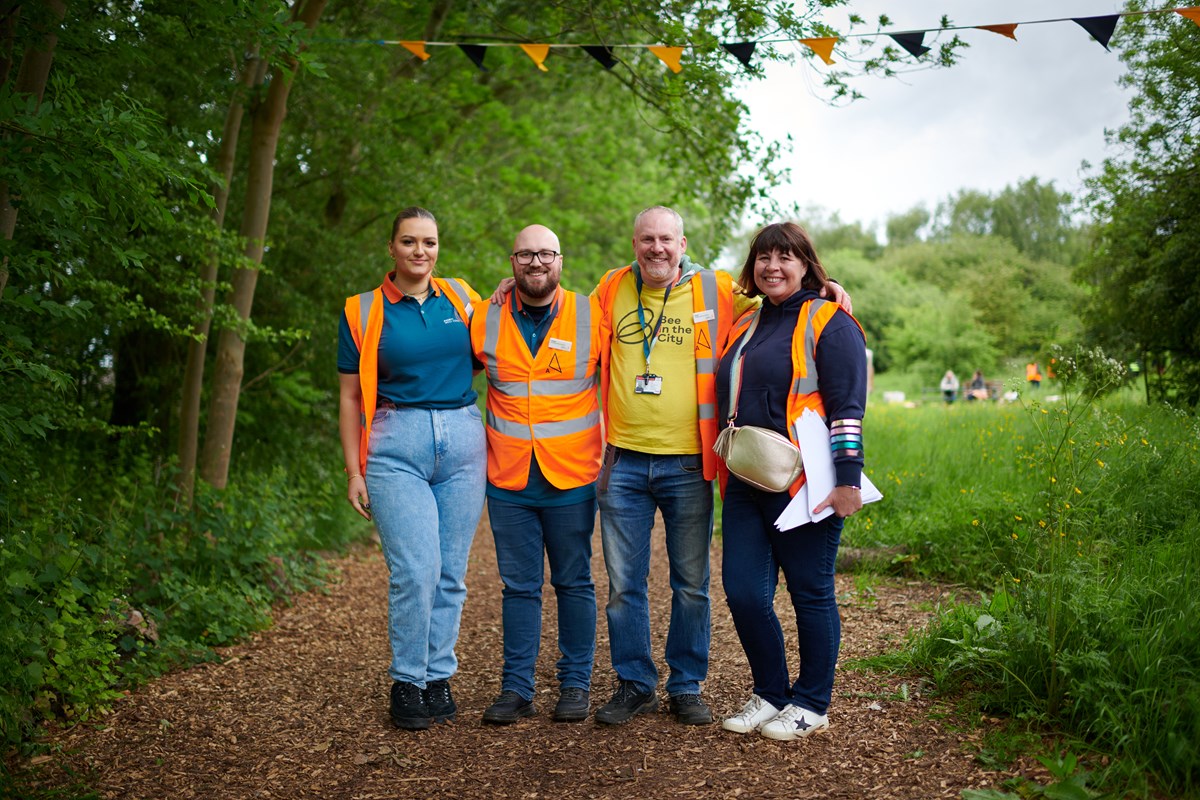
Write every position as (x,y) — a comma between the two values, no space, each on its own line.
(1074,522)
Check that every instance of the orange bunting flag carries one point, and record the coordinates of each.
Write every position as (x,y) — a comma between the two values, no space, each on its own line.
(538,53)
(822,47)
(669,55)
(1192,13)
(417,49)
(1009,30)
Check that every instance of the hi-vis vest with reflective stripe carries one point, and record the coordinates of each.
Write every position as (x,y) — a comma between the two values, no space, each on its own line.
(712,303)
(364,313)
(544,404)
(803,392)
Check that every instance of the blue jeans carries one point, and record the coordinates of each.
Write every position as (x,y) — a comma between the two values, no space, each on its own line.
(426,471)
(637,484)
(754,552)
(565,533)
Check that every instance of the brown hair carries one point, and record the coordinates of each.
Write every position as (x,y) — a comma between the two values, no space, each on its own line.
(412,212)
(784,237)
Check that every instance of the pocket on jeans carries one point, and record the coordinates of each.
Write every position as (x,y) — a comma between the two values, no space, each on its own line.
(692,463)
(473,411)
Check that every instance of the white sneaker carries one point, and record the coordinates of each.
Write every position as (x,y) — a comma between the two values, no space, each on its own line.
(794,722)
(753,716)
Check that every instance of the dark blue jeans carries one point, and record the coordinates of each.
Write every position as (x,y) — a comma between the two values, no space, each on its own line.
(754,553)
(565,534)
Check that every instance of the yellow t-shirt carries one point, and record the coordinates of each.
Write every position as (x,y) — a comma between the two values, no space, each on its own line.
(666,423)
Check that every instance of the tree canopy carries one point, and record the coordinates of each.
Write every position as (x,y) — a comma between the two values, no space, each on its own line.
(1145,265)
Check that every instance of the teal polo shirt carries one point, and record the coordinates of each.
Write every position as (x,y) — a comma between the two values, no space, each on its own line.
(424,352)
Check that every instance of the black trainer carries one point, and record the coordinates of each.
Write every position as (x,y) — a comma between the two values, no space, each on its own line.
(440,702)
(408,707)
(573,704)
(626,702)
(508,708)
(689,709)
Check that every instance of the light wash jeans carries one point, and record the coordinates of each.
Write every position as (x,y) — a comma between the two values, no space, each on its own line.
(637,484)
(426,472)
(565,533)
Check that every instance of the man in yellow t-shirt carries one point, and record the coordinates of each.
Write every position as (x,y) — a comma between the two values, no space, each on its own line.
(669,320)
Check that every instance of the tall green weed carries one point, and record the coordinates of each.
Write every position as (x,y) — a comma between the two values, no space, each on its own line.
(105,582)
(1076,521)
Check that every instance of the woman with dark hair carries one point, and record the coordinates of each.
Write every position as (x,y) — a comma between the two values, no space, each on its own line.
(414,450)
(781,350)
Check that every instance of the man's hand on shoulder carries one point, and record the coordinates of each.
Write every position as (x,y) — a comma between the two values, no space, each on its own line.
(835,292)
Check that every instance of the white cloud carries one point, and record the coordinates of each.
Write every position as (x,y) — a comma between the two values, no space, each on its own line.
(1036,107)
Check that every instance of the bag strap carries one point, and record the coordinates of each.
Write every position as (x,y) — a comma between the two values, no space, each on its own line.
(735,369)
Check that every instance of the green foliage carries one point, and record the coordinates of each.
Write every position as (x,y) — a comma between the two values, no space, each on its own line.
(1077,520)
(1144,270)
(106,583)
(1034,217)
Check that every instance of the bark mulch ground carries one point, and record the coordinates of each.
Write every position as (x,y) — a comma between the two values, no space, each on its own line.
(300,711)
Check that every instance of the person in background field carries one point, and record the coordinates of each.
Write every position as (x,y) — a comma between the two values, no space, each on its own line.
(797,352)
(542,351)
(1033,374)
(414,452)
(949,386)
(977,388)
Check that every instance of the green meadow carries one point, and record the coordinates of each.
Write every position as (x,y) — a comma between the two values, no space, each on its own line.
(1069,525)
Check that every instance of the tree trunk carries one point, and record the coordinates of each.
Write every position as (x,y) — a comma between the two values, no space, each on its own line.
(31,80)
(253,74)
(267,120)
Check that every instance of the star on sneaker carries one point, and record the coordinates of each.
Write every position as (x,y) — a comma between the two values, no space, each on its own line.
(794,722)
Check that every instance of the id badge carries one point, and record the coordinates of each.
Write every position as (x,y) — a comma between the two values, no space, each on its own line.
(647,384)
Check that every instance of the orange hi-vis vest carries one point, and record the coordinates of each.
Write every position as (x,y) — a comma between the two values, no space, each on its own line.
(712,304)
(544,404)
(803,393)
(364,314)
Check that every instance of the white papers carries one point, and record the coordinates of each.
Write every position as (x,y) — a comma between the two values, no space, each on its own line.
(819,475)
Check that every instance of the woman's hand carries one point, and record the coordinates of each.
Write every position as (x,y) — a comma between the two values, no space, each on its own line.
(503,288)
(356,493)
(845,501)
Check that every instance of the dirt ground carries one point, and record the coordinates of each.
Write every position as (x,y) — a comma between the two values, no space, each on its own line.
(300,711)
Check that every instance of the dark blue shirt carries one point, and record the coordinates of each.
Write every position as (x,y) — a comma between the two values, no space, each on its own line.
(424,353)
(767,373)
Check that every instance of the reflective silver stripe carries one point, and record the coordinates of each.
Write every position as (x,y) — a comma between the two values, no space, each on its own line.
(365,300)
(543,430)
(541,388)
(708,410)
(809,384)
(708,286)
(583,336)
(462,295)
(491,339)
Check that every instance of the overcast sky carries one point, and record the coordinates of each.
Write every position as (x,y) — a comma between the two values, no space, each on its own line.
(1036,107)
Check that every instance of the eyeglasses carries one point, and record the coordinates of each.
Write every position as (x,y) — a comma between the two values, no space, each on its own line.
(544,256)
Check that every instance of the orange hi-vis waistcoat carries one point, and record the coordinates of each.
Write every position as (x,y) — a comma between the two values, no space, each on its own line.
(803,393)
(364,313)
(544,404)
(712,304)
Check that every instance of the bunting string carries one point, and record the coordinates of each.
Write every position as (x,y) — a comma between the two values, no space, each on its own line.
(1100,28)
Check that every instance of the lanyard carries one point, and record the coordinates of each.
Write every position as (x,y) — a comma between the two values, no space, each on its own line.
(648,342)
